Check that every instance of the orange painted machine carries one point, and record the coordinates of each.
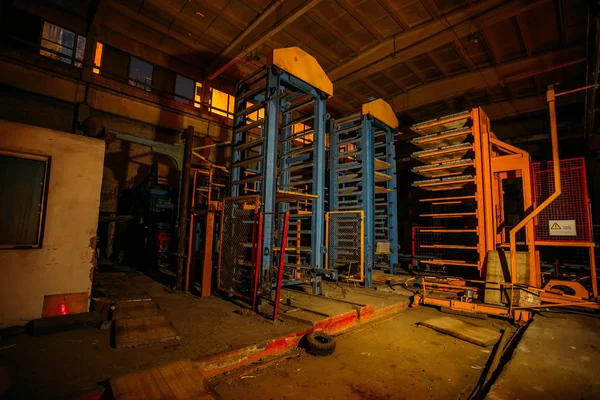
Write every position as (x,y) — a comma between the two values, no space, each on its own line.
(465,232)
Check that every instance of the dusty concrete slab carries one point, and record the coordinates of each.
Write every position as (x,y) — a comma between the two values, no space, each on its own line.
(83,358)
(175,381)
(464,330)
(558,357)
(391,359)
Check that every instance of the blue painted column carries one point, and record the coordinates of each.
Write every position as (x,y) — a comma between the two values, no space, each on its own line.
(368,191)
(392,200)
(269,178)
(318,188)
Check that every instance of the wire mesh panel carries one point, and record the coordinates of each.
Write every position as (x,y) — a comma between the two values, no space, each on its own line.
(425,241)
(345,243)
(572,205)
(237,248)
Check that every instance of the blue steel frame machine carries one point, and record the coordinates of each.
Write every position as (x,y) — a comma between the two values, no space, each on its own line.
(280,168)
(363,185)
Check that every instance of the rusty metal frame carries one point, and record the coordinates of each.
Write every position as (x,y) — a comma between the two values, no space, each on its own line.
(256,199)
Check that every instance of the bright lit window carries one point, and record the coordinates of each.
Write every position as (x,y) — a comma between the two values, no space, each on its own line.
(300,128)
(222,103)
(198,95)
(98,57)
(188,91)
(256,115)
(63,45)
(140,73)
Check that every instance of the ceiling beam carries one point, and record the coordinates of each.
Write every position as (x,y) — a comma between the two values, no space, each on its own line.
(491,77)
(329,27)
(349,8)
(387,6)
(232,53)
(515,107)
(118,8)
(462,52)
(429,36)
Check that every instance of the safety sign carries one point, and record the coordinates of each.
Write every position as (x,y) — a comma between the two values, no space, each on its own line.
(562,227)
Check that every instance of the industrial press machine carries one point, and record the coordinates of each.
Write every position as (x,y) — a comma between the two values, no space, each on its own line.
(277,180)
(362,231)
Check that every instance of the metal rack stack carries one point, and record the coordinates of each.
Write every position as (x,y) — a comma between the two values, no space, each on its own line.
(450,160)
(362,232)
(278,154)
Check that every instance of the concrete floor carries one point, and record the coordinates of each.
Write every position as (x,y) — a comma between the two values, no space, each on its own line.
(558,357)
(64,363)
(61,364)
(392,359)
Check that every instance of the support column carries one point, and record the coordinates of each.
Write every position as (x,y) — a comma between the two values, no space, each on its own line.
(269,178)
(368,196)
(183,202)
(392,200)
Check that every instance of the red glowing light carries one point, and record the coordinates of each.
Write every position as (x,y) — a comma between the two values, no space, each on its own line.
(63,309)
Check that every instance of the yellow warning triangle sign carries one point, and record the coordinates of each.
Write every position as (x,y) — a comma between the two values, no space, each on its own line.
(555,226)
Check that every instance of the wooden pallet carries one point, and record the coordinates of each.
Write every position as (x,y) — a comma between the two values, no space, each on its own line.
(144,330)
(178,380)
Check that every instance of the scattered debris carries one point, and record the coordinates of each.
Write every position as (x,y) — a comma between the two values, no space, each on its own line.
(105,325)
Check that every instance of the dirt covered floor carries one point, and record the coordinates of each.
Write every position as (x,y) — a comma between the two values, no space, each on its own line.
(61,364)
(558,357)
(391,359)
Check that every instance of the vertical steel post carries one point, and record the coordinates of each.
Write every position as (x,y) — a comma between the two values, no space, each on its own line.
(392,200)
(269,178)
(368,195)
(284,176)
(318,188)
(183,202)
(286,222)
(334,162)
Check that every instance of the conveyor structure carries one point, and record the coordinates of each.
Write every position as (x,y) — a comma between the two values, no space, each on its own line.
(278,164)
(362,231)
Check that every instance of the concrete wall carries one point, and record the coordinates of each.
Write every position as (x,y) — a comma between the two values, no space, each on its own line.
(64,263)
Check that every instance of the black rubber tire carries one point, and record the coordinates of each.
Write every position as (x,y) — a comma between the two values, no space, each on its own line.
(320,344)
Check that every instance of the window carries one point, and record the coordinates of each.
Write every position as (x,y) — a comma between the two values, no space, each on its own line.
(256,115)
(299,129)
(188,91)
(222,103)
(63,45)
(22,190)
(198,95)
(98,57)
(140,73)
